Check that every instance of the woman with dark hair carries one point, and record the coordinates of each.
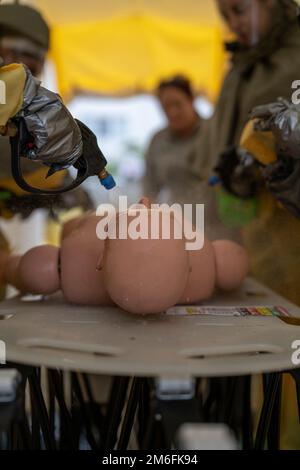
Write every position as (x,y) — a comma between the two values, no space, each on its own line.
(173,149)
(172,170)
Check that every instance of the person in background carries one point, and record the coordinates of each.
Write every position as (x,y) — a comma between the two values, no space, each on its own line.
(173,149)
(25,38)
(171,173)
(265,61)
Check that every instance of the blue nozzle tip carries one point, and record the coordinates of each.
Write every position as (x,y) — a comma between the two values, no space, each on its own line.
(108,182)
(214,180)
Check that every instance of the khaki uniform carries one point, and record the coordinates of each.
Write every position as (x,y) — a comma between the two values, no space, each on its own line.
(169,161)
(257,77)
(172,176)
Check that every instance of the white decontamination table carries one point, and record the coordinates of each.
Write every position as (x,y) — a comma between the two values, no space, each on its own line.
(52,333)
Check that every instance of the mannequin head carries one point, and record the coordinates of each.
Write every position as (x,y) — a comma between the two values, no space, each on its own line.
(38,270)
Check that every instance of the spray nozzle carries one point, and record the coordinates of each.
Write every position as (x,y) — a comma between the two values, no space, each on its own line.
(106,179)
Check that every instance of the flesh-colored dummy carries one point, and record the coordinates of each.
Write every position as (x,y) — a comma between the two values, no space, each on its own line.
(38,270)
(4,258)
(202,275)
(74,223)
(11,272)
(69,226)
(72,268)
(232,264)
(145,275)
(141,276)
(81,281)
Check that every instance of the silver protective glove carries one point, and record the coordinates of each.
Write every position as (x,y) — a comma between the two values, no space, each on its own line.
(57,137)
(283,120)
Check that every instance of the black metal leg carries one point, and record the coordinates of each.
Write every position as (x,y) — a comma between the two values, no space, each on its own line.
(247,425)
(295,373)
(14,437)
(111,401)
(35,425)
(96,412)
(267,409)
(274,430)
(67,438)
(51,405)
(238,413)
(115,414)
(88,422)
(25,434)
(41,409)
(229,393)
(154,438)
(130,414)
(143,411)
(211,406)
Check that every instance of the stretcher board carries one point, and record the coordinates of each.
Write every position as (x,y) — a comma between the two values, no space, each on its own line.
(52,333)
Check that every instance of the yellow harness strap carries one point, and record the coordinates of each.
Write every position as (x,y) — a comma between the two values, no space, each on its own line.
(12,83)
(37,179)
(261,145)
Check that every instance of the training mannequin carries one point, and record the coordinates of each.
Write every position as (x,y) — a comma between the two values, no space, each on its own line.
(139,275)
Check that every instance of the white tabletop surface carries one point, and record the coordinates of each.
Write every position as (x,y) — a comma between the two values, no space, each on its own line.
(110,341)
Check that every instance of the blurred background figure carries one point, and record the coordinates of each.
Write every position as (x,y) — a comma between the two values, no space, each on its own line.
(25,38)
(125,127)
(177,171)
(174,149)
(265,62)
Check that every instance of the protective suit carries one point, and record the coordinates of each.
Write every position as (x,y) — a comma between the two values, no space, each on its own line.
(57,135)
(282,176)
(25,38)
(259,76)
(275,257)
(24,21)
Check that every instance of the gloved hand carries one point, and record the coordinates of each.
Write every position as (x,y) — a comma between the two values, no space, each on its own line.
(283,119)
(239,172)
(90,151)
(56,137)
(283,180)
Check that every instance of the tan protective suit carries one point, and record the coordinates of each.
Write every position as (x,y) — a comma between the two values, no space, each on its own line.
(259,76)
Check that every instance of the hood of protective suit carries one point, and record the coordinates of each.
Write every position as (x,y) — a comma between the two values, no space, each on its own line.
(23,20)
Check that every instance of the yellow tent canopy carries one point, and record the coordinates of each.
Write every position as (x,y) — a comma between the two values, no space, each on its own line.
(125,46)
